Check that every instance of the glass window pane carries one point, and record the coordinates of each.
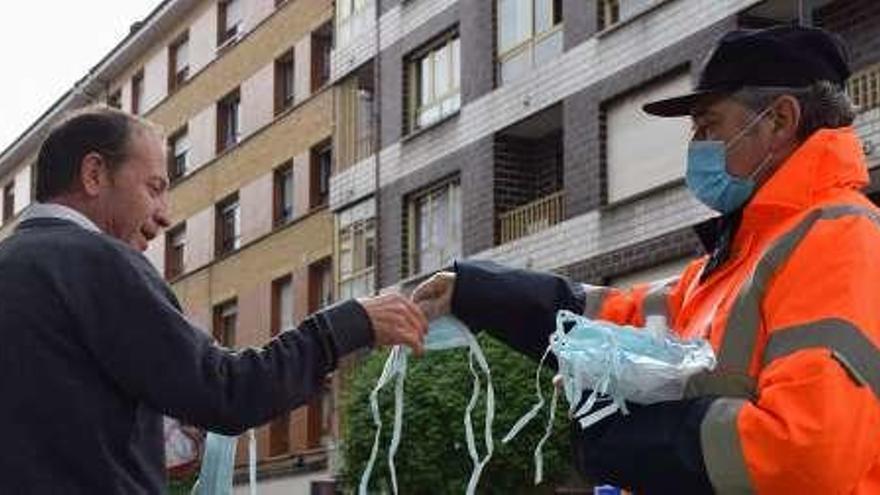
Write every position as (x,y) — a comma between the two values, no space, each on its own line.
(523,21)
(343,9)
(429,115)
(182,55)
(442,80)
(515,67)
(233,13)
(286,305)
(426,94)
(456,63)
(543,15)
(440,213)
(514,23)
(548,48)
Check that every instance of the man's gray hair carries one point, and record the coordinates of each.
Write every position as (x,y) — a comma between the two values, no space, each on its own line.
(823,105)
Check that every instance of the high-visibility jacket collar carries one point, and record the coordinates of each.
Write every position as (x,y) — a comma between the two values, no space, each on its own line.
(829,161)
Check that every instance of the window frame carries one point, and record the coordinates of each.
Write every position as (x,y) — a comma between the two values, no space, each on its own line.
(222,311)
(224,243)
(227,34)
(321,55)
(174,174)
(177,76)
(414,255)
(228,117)
(285,97)
(532,41)
(278,215)
(137,92)
(114,99)
(175,252)
(8,201)
(363,264)
(414,63)
(319,184)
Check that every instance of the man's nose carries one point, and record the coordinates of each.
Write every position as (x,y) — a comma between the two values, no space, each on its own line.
(162,214)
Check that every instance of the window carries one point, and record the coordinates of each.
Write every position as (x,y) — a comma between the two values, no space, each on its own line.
(635,149)
(434,84)
(321,168)
(137,93)
(178,62)
(864,88)
(320,285)
(353,133)
(228,226)
(283,194)
(529,34)
(178,149)
(285,78)
(609,13)
(115,99)
(349,21)
(228,119)
(8,201)
(225,322)
(322,45)
(434,229)
(229,18)
(175,243)
(357,253)
(282,305)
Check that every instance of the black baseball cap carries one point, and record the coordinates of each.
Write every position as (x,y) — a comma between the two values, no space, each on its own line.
(784,56)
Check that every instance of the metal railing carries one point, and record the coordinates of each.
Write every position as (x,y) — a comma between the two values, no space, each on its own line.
(864,88)
(531,218)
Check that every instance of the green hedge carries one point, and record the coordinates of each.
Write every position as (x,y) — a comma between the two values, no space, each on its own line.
(433,456)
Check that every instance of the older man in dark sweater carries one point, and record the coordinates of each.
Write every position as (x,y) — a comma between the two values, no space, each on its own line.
(95,348)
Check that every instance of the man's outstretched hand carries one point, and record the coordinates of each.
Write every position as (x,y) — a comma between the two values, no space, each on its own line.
(434,296)
(396,320)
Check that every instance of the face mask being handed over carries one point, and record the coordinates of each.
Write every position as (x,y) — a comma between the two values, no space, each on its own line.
(707,176)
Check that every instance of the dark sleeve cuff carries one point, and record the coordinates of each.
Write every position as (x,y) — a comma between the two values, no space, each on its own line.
(516,306)
(347,327)
(654,449)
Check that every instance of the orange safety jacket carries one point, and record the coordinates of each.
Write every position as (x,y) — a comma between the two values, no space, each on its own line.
(794,317)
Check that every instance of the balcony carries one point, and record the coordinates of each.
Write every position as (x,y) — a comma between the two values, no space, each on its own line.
(528,176)
(531,218)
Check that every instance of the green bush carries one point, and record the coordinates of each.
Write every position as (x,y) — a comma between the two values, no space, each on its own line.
(433,457)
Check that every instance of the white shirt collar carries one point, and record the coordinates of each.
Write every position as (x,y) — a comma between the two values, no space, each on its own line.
(54,210)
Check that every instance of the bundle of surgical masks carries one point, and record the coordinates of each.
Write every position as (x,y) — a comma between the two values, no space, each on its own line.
(443,333)
(218,464)
(613,364)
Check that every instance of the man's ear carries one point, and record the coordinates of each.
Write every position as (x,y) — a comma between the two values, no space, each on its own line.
(93,174)
(786,120)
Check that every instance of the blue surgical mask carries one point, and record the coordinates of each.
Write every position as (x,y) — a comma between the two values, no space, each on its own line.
(218,465)
(707,176)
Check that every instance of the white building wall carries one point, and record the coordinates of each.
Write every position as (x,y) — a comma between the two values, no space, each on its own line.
(155,79)
(257,100)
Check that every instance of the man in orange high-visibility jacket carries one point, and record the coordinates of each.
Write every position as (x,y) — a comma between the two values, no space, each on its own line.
(788,296)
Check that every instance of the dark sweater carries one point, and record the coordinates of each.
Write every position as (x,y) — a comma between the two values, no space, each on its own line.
(94,350)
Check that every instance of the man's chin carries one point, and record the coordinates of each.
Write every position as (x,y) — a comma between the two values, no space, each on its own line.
(139,243)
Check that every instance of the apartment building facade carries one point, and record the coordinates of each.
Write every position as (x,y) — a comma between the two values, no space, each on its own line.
(241,89)
(511,129)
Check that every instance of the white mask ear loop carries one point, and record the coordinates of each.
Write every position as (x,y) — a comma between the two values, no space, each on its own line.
(395,364)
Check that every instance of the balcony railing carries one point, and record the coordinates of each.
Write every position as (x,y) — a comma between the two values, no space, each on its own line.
(531,218)
(864,88)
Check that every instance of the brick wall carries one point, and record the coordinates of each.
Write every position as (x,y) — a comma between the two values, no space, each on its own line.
(471,164)
(858,22)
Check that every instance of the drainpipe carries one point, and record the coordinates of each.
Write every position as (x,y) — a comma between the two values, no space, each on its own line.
(376,121)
